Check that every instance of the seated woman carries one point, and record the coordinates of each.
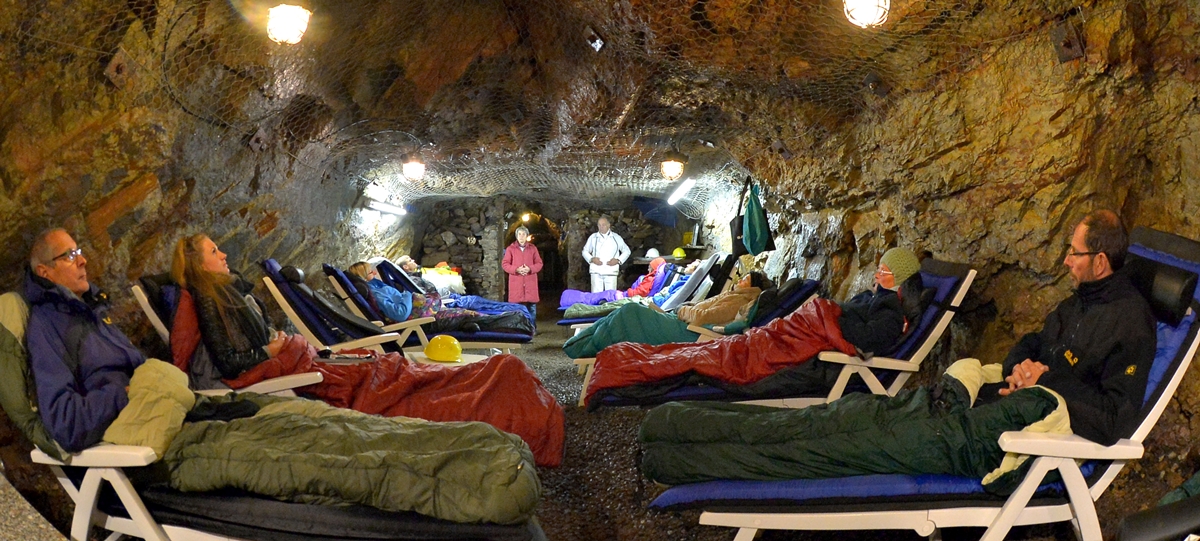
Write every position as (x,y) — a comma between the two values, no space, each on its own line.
(500,390)
(872,321)
(398,306)
(645,325)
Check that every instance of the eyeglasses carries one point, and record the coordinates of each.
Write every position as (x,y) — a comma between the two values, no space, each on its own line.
(69,256)
(1071,253)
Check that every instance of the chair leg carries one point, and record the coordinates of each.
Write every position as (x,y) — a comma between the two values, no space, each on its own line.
(1017,501)
(1087,524)
(746,534)
(587,379)
(85,504)
(149,529)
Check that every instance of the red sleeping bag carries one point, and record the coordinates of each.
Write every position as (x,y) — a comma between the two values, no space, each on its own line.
(739,359)
(499,390)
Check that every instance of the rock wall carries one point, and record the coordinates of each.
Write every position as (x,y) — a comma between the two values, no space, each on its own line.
(993,165)
(988,158)
(129,170)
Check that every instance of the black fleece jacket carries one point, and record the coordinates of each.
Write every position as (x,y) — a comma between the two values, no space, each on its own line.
(1099,344)
(236,342)
(872,320)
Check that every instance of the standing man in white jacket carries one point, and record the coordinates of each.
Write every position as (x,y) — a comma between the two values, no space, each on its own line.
(605,251)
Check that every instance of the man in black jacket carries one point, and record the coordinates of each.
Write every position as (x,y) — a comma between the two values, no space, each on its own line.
(1095,350)
(1096,347)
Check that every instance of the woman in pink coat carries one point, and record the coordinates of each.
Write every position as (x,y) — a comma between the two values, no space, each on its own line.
(522,263)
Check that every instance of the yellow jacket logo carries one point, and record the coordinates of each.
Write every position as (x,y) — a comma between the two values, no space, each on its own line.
(1071,358)
(1131,370)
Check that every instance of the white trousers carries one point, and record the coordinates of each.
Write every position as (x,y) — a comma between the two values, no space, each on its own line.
(603,282)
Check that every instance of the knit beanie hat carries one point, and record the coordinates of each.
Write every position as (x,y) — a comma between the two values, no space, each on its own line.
(902,262)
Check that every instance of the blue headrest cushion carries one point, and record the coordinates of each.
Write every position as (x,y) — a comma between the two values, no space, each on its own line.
(944,285)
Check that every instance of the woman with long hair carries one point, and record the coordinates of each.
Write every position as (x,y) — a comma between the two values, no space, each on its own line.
(500,390)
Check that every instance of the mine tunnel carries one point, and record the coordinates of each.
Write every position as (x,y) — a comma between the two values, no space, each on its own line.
(801,139)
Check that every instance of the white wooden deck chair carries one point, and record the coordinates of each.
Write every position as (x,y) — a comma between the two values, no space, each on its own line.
(280,386)
(1172,294)
(372,341)
(359,307)
(951,282)
(956,279)
(158,513)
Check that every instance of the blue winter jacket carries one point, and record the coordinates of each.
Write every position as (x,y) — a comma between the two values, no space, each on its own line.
(81,362)
(394,303)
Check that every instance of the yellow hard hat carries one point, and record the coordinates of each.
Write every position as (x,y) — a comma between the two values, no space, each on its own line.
(443,348)
(678,253)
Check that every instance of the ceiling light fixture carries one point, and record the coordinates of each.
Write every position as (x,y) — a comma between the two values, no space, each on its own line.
(414,168)
(682,190)
(867,13)
(672,165)
(385,207)
(287,23)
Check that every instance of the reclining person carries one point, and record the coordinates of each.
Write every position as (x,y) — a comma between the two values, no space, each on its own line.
(399,306)
(501,390)
(1094,352)
(643,286)
(649,325)
(93,384)
(598,305)
(873,321)
(646,285)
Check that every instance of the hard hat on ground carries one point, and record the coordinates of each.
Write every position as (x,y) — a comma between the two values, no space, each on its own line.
(443,348)
(678,253)
(652,253)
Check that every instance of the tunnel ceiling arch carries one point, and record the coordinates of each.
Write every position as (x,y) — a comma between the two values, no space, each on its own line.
(576,100)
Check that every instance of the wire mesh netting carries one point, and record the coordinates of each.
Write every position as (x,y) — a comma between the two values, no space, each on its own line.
(574,100)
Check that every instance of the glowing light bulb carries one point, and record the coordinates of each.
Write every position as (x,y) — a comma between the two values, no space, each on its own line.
(867,13)
(525,217)
(413,168)
(287,23)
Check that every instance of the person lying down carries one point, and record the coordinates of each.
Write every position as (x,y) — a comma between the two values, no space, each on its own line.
(873,321)
(500,390)
(103,389)
(645,324)
(1085,372)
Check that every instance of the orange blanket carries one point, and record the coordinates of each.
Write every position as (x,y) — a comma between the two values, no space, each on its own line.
(499,390)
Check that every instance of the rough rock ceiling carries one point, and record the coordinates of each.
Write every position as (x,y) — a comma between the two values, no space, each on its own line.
(547,98)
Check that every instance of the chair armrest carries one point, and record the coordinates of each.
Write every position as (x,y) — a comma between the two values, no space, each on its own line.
(283,383)
(408,324)
(581,325)
(838,357)
(705,333)
(1068,446)
(102,456)
(367,342)
(873,362)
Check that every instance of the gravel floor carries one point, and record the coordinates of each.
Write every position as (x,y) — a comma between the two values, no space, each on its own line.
(598,493)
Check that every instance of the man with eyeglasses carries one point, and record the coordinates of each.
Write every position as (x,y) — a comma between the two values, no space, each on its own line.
(1096,347)
(81,362)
